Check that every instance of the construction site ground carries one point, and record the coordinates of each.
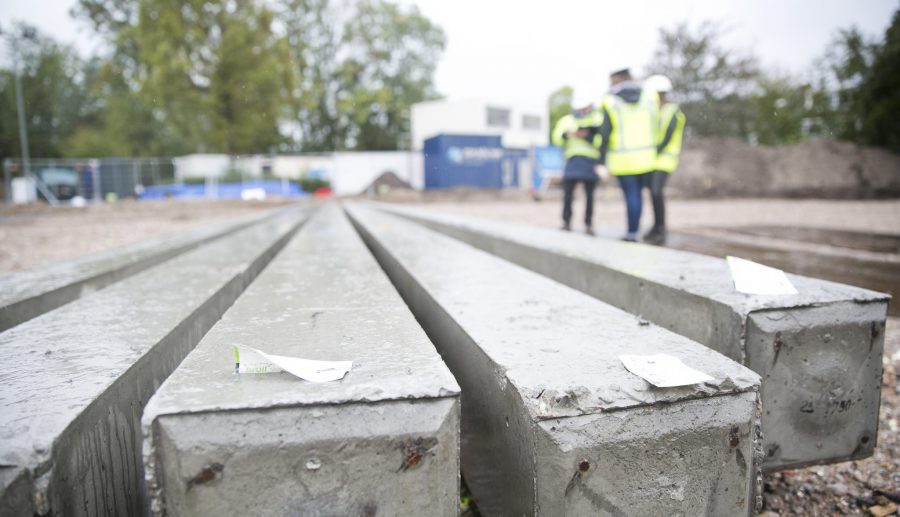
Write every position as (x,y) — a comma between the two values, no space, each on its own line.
(855,242)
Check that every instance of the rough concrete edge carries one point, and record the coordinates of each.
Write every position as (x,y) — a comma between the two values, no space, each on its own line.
(43,491)
(34,305)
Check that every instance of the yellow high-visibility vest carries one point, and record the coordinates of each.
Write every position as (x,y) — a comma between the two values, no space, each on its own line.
(577,146)
(632,141)
(667,159)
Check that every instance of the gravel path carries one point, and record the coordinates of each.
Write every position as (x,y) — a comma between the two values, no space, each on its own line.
(36,235)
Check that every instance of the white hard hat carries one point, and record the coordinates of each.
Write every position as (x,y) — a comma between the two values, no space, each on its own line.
(582,98)
(658,83)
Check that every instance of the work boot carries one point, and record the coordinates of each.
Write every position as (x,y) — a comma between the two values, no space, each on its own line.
(655,236)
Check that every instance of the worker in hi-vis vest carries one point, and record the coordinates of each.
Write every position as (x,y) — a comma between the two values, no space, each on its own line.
(577,133)
(628,140)
(669,134)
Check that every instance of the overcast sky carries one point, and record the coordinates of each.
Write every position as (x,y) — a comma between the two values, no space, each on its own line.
(521,50)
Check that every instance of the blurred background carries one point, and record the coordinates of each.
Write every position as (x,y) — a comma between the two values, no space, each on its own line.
(131,97)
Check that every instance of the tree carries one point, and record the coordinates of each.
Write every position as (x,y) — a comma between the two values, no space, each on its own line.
(336,74)
(54,98)
(119,122)
(713,84)
(862,78)
(211,72)
(780,111)
(559,105)
(360,66)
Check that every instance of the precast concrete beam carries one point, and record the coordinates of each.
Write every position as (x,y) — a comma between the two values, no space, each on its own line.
(77,378)
(819,352)
(27,294)
(384,440)
(552,422)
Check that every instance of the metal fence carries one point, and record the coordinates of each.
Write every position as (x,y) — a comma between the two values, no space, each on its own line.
(57,180)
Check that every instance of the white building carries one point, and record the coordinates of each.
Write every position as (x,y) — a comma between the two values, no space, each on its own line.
(519,126)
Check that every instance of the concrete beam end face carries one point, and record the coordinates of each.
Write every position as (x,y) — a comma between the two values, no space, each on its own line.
(821,369)
(696,457)
(386,458)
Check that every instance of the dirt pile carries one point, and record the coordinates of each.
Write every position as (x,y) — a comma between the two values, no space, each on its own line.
(814,168)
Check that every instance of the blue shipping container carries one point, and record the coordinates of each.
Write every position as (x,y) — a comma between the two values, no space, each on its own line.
(463,160)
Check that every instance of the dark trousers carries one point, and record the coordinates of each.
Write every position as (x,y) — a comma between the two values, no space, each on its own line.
(569,193)
(631,187)
(657,182)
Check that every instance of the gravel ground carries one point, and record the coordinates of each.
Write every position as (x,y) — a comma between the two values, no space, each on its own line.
(35,235)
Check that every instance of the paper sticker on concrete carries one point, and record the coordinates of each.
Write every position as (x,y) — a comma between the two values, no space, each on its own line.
(251,360)
(663,370)
(752,278)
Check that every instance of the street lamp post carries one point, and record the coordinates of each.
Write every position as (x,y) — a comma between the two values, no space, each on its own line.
(27,33)
(23,133)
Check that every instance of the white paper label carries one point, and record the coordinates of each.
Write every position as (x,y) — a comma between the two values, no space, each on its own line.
(251,360)
(662,370)
(752,278)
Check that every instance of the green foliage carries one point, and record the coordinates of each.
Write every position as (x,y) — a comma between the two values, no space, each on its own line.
(779,111)
(211,72)
(723,92)
(252,76)
(310,184)
(360,64)
(866,77)
(53,97)
(559,105)
(712,83)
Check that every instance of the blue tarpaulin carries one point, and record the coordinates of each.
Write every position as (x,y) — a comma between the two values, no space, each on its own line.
(222,190)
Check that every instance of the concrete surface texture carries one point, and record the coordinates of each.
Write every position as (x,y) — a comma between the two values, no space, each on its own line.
(27,294)
(819,352)
(384,440)
(79,376)
(552,422)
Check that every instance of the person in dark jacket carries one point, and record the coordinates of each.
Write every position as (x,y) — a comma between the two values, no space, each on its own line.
(577,133)
(628,140)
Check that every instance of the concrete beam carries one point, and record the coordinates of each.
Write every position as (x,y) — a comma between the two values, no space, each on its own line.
(384,440)
(27,294)
(552,423)
(78,377)
(818,353)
